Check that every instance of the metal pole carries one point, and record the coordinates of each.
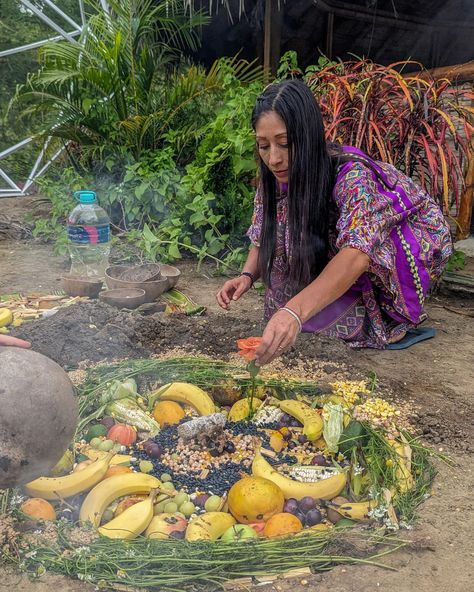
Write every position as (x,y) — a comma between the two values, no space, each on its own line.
(83,12)
(48,21)
(31,176)
(50,161)
(14,148)
(7,52)
(9,181)
(61,13)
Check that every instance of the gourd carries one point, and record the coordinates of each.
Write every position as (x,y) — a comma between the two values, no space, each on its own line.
(123,434)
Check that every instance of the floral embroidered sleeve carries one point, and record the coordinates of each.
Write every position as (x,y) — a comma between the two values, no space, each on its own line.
(257,220)
(365,214)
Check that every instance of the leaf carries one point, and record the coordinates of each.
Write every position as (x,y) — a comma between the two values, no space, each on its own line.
(140,190)
(173,251)
(148,234)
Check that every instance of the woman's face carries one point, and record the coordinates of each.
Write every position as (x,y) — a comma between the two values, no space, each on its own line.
(272,144)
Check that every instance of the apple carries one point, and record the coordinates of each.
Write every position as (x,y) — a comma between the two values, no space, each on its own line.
(162,525)
(239,532)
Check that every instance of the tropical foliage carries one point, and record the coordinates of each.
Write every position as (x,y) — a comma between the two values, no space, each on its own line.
(422,127)
(116,86)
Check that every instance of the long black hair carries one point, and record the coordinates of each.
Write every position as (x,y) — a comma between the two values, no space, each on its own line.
(311,171)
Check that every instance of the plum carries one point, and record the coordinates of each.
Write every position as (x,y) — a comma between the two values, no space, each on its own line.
(154,450)
(306,503)
(319,459)
(291,506)
(201,499)
(313,517)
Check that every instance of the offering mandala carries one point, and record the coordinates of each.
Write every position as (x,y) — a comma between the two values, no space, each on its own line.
(193,459)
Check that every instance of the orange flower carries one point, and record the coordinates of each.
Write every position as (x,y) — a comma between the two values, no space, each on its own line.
(247,347)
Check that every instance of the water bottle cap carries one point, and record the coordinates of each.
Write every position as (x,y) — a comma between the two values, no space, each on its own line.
(86,197)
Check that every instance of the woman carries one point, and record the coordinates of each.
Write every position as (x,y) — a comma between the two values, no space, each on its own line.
(345,245)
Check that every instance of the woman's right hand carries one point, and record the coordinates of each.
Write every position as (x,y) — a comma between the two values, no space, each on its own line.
(233,290)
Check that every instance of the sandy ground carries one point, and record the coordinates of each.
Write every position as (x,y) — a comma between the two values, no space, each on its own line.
(437,377)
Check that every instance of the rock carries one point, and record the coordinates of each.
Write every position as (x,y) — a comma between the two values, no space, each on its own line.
(38,415)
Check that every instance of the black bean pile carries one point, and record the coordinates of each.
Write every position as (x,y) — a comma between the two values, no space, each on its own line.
(218,481)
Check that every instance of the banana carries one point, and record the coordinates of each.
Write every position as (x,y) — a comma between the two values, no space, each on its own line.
(354,511)
(6,317)
(209,526)
(403,473)
(132,521)
(54,488)
(310,418)
(185,393)
(325,489)
(103,494)
(118,459)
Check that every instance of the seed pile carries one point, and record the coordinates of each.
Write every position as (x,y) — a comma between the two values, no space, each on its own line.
(195,469)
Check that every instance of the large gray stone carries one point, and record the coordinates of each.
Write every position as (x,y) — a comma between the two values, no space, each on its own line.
(38,415)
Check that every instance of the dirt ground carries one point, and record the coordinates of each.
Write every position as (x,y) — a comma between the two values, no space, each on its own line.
(434,379)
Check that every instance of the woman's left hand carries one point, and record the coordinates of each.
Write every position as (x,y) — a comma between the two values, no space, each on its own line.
(280,334)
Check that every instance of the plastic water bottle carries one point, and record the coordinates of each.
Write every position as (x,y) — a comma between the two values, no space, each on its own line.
(88,231)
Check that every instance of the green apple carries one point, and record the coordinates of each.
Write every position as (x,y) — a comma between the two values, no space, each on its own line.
(239,532)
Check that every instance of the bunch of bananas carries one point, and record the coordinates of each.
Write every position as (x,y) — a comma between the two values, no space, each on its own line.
(132,521)
(186,394)
(107,491)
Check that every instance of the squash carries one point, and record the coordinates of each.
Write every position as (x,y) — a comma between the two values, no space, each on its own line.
(123,434)
(38,415)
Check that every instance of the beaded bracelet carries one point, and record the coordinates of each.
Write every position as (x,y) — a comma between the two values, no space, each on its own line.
(249,275)
(294,315)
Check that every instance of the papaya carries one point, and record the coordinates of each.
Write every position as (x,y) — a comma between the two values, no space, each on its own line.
(254,499)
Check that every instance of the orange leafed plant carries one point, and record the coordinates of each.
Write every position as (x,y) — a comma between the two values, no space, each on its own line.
(247,347)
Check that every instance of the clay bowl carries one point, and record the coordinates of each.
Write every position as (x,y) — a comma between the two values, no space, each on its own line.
(153,289)
(147,272)
(75,285)
(124,297)
(171,274)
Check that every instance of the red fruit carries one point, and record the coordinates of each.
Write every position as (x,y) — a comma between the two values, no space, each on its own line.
(201,499)
(258,527)
(123,434)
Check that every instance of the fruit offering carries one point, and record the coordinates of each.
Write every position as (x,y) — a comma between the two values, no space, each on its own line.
(259,469)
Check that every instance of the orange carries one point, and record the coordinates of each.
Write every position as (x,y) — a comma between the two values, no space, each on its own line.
(282,524)
(168,413)
(38,509)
